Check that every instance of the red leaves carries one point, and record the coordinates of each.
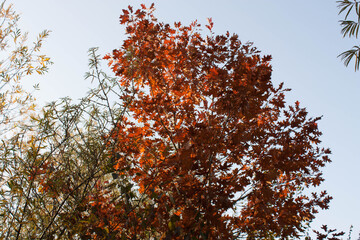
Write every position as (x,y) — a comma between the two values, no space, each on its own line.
(329,234)
(209,132)
(211,24)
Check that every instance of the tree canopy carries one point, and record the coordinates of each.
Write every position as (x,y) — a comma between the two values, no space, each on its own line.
(189,139)
(209,139)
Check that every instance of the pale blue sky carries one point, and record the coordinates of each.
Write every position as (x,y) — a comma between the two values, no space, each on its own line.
(302,36)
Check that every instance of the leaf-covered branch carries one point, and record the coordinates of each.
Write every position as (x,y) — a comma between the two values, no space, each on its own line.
(350,28)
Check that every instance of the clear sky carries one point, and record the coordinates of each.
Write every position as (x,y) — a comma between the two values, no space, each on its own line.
(302,36)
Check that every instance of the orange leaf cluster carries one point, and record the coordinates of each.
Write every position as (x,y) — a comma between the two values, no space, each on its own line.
(209,141)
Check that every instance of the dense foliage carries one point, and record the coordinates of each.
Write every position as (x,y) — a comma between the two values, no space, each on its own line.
(209,140)
(189,140)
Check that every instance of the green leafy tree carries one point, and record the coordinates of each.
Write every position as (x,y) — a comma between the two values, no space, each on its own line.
(350,28)
(61,164)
